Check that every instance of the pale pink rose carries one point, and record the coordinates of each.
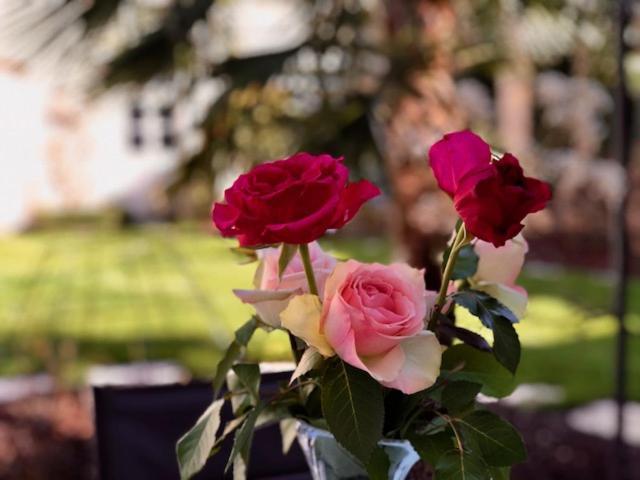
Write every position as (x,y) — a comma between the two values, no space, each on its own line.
(498,270)
(293,277)
(373,318)
(272,293)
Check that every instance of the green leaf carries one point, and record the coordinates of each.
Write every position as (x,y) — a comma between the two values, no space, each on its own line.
(246,331)
(459,394)
(466,336)
(234,352)
(506,345)
(249,378)
(310,359)
(466,263)
(457,465)
(431,447)
(243,439)
(479,367)
(500,473)
(194,447)
(230,427)
(353,406)
(483,306)
(499,443)
(378,466)
(286,255)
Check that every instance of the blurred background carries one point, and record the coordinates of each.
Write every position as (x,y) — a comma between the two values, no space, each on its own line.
(123,120)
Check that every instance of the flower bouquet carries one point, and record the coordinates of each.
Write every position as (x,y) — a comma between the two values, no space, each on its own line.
(384,377)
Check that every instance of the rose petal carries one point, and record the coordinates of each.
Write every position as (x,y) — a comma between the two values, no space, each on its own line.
(224,217)
(455,156)
(302,318)
(386,367)
(269,304)
(500,265)
(353,197)
(423,355)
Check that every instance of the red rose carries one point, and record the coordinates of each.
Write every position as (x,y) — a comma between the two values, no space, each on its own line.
(491,196)
(295,200)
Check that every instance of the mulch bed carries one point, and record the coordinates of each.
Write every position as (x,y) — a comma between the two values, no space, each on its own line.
(47,437)
(51,437)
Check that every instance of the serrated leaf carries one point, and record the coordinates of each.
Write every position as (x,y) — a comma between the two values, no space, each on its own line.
(479,367)
(194,447)
(309,360)
(378,466)
(353,406)
(456,465)
(465,335)
(506,344)
(466,264)
(431,447)
(500,443)
(249,378)
(459,394)
(286,255)
(483,306)
(243,439)
(233,353)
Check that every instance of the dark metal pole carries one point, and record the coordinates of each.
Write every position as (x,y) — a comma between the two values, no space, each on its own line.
(620,242)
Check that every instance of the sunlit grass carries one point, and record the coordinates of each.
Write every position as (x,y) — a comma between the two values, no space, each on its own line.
(72,298)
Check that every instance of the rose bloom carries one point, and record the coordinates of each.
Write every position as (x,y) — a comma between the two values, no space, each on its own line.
(272,293)
(372,317)
(491,196)
(498,270)
(295,200)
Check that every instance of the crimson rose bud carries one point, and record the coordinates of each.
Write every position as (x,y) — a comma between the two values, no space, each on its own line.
(491,196)
(295,200)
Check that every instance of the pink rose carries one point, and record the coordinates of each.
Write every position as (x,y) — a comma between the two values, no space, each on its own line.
(294,200)
(272,292)
(373,317)
(498,270)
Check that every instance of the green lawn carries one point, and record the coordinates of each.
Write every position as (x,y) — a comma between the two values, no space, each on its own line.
(75,297)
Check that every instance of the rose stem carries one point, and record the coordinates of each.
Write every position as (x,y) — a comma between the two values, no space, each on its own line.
(308,269)
(446,275)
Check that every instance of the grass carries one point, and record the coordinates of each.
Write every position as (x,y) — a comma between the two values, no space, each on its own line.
(75,297)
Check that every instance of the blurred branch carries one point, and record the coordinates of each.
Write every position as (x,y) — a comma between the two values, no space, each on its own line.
(155,52)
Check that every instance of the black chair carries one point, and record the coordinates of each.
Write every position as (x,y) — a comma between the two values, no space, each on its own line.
(137,429)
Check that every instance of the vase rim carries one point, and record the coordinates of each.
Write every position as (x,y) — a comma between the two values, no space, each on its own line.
(306,427)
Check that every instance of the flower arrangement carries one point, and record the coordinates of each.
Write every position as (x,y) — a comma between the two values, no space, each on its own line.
(377,355)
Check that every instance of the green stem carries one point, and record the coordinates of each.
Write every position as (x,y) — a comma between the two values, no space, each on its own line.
(308,269)
(458,243)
